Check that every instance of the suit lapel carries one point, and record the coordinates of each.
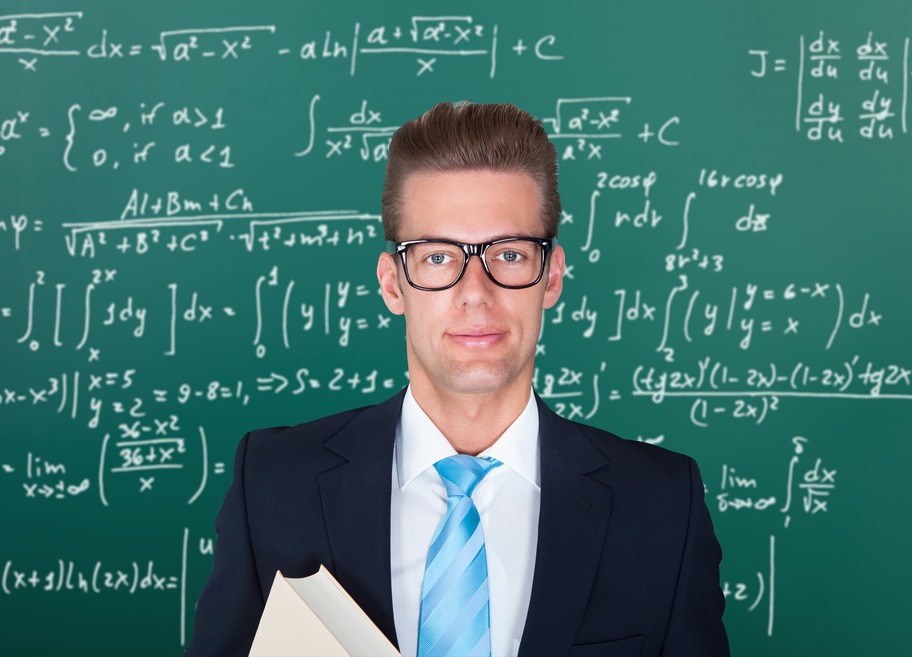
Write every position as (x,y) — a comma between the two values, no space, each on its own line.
(573,521)
(356,508)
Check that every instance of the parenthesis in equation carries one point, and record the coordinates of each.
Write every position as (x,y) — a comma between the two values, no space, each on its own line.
(288,290)
(793,379)
(636,378)
(693,299)
(595,390)
(62,572)
(205,476)
(6,569)
(101,462)
(135,578)
(763,411)
(839,312)
(693,412)
(849,374)
(71,136)
(712,377)
(95,571)
(702,365)
(762,589)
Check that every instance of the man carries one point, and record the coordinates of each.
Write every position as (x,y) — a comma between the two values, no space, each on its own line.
(578,542)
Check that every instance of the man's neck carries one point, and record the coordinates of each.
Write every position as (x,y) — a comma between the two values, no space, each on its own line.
(471,422)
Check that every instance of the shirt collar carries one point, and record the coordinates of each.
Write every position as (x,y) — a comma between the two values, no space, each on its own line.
(420,444)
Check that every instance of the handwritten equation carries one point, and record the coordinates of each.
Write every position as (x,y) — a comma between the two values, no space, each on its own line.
(120,136)
(426,41)
(830,68)
(164,576)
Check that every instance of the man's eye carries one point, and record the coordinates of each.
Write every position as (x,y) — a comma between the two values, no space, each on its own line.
(438,258)
(510,256)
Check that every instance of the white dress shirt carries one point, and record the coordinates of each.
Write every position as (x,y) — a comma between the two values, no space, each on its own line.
(508,501)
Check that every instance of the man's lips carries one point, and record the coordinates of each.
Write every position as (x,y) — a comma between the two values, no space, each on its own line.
(477,338)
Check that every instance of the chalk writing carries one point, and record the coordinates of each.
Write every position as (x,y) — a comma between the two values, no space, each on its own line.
(190,226)
(822,65)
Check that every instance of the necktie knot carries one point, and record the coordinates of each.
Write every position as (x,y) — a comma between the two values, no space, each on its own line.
(461,473)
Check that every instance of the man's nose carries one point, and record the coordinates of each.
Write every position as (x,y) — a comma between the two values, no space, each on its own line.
(475,286)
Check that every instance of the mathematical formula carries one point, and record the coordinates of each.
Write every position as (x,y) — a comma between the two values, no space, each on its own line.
(190,224)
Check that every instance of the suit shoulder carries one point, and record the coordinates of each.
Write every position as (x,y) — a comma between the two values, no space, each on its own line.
(367,425)
(314,430)
(634,453)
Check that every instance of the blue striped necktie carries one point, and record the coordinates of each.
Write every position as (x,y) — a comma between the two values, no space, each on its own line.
(455,615)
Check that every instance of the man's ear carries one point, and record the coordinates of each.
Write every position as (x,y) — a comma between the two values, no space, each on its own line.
(555,277)
(390,290)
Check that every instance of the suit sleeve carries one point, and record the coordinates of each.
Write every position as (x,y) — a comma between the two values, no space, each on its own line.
(695,627)
(231,603)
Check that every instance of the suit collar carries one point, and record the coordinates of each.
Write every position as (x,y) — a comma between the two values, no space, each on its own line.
(356,508)
(370,427)
(573,521)
(421,444)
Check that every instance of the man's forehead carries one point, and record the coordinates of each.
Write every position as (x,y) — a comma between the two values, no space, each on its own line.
(417,179)
(470,205)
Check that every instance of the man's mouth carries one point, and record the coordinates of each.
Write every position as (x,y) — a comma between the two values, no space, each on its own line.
(477,338)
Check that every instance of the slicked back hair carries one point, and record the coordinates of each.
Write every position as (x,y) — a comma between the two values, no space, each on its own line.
(465,136)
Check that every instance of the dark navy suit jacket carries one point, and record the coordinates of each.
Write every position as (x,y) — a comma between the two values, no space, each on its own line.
(626,564)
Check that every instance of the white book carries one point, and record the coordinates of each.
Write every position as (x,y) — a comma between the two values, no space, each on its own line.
(315,617)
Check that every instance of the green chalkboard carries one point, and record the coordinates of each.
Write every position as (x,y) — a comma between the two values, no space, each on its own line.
(189,199)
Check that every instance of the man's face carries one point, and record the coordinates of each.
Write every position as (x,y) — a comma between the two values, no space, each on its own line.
(475,337)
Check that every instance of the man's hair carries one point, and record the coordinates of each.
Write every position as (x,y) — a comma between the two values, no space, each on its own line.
(465,136)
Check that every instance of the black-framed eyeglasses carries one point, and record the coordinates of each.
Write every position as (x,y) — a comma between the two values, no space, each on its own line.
(512,262)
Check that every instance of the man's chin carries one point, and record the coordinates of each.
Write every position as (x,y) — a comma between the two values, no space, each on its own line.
(481,380)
